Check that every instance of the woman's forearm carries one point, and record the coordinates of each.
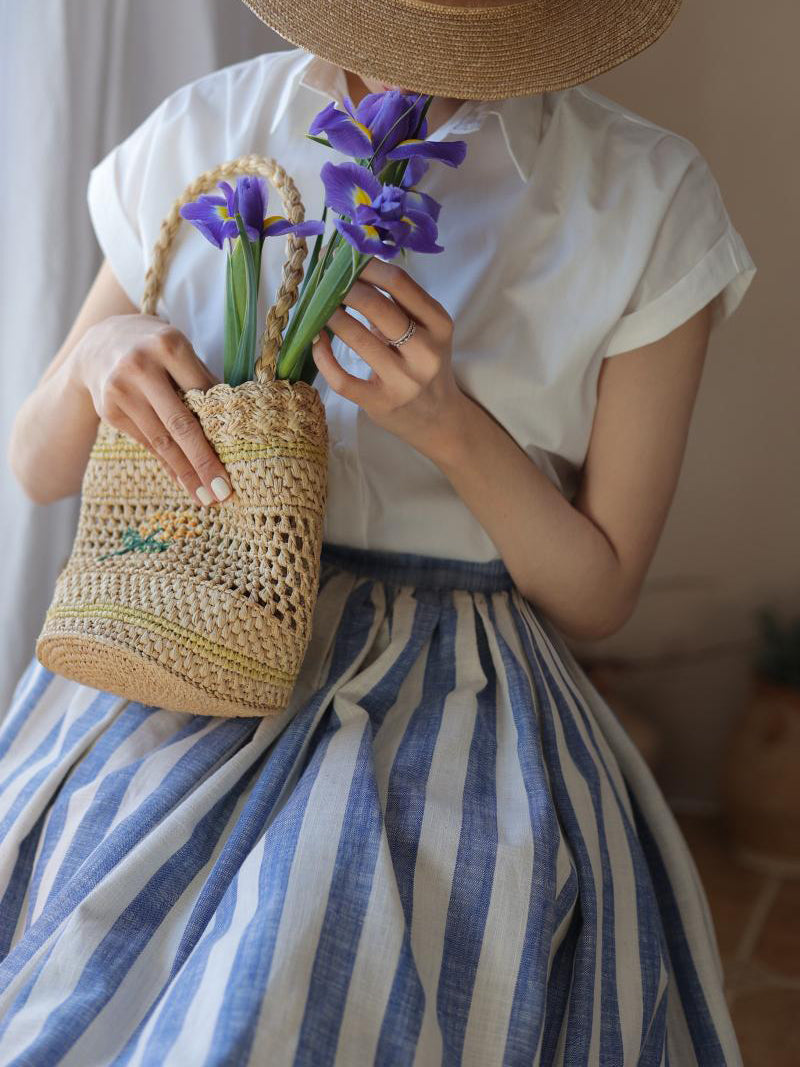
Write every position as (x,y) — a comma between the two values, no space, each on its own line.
(557,556)
(52,435)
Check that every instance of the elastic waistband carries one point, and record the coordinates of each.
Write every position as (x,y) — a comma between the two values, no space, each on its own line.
(425,572)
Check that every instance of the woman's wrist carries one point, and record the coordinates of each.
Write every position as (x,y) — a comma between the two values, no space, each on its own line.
(75,367)
(449,443)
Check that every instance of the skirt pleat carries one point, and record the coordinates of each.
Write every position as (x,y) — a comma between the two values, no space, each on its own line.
(446,850)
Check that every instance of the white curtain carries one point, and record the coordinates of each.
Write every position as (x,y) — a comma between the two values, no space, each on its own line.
(76,76)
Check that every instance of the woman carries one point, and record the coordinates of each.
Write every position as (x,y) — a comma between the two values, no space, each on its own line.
(447,850)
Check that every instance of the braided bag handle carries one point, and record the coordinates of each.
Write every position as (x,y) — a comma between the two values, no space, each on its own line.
(278,314)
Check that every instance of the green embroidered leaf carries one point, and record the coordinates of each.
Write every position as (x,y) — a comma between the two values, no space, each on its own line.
(133,541)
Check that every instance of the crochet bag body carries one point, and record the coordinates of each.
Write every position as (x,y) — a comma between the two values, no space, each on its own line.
(202,609)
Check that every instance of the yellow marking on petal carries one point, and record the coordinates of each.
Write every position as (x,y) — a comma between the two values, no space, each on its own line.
(361,196)
(411,140)
(364,129)
(370,231)
(269,219)
(222,211)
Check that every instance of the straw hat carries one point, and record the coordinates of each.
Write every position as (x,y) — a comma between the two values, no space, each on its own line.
(471,52)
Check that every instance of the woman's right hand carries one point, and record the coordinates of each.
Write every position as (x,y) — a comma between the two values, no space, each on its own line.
(132,367)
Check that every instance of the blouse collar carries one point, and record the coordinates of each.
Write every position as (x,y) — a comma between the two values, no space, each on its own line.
(520,117)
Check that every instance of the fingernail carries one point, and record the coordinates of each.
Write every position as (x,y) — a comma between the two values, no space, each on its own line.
(220,487)
(314,339)
(204,495)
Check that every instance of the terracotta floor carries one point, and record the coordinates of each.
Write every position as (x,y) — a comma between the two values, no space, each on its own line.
(757,919)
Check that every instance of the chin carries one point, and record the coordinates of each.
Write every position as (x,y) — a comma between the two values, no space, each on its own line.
(382,87)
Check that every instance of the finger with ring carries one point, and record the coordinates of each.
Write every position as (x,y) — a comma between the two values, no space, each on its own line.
(372,350)
(383,312)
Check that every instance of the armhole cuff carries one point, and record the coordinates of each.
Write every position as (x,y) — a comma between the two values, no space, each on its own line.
(115,235)
(723,275)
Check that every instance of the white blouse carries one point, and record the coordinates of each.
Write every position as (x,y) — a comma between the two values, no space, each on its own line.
(574,230)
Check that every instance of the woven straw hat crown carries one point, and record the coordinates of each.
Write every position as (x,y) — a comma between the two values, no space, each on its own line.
(472,51)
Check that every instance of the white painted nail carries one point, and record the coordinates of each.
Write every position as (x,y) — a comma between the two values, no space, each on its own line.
(204,496)
(220,488)
(315,339)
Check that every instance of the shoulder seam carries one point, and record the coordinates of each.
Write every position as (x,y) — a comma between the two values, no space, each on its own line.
(631,116)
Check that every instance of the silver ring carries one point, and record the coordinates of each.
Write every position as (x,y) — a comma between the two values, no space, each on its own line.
(406,336)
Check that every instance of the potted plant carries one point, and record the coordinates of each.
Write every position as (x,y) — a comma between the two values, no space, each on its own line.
(761,772)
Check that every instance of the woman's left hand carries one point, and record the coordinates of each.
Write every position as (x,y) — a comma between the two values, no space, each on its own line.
(412,391)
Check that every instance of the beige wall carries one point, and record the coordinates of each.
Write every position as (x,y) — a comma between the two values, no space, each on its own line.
(724,75)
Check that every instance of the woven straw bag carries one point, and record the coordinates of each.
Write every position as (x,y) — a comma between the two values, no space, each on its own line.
(195,609)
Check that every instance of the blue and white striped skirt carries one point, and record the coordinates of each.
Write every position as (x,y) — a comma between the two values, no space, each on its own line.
(446,851)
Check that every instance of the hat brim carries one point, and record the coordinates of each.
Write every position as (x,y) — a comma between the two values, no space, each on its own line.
(479,53)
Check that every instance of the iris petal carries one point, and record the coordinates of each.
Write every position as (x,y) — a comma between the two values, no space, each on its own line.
(320,121)
(343,132)
(366,239)
(422,202)
(348,185)
(251,200)
(204,218)
(275,225)
(357,122)
(423,232)
(450,152)
(230,197)
(415,171)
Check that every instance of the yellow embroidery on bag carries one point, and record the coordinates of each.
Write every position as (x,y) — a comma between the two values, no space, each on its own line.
(175,525)
(242,450)
(197,643)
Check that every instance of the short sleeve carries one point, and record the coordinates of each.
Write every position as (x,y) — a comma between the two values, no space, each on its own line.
(696,256)
(116,201)
(131,190)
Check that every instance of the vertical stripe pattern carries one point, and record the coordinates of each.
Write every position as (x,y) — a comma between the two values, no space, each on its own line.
(446,851)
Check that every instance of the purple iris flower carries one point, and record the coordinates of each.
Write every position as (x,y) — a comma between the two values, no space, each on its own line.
(215,216)
(415,171)
(381,219)
(383,125)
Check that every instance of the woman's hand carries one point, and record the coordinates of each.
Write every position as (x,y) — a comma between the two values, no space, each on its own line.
(413,392)
(132,366)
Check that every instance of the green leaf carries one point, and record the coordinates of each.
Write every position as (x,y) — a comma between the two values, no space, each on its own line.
(298,312)
(354,275)
(309,368)
(393,172)
(422,115)
(245,355)
(326,297)
(239,269)
(319,140)
(309,371)
(236,299)
(233,324)
(312,263)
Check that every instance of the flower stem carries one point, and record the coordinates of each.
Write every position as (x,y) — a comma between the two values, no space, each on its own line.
(339,276)
(243,367)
